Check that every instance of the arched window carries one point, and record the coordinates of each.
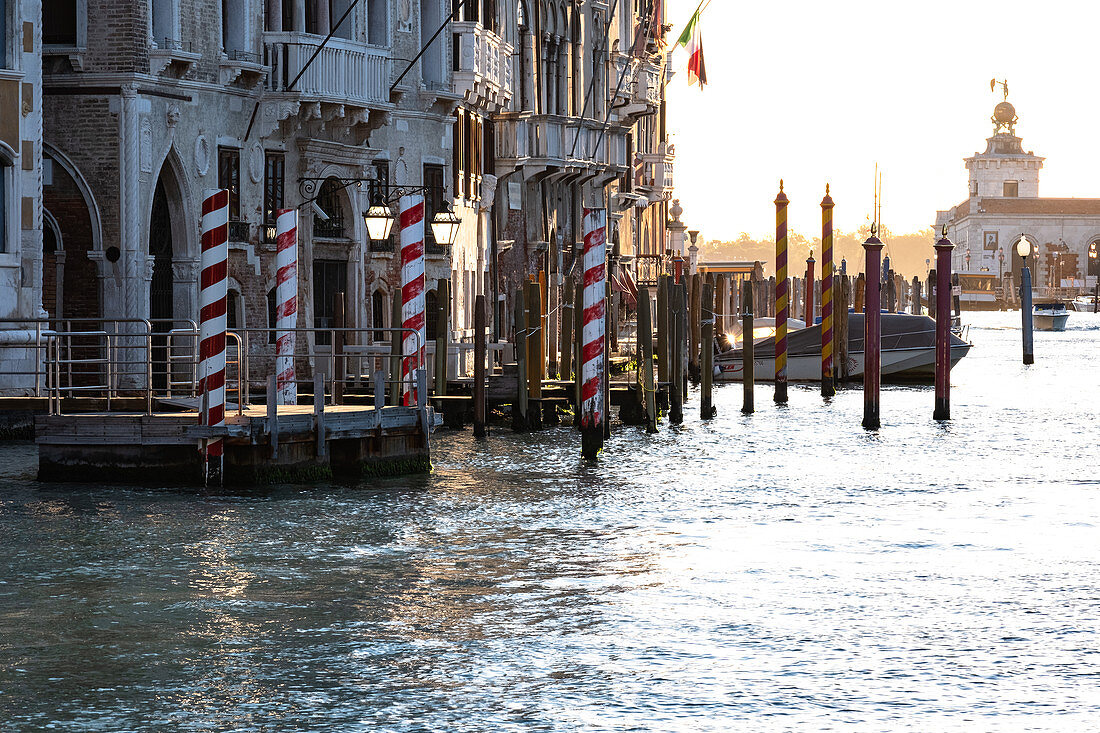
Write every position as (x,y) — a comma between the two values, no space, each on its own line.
(271,317)
(378,314)
(234,313)
(1093,256)
(328,199)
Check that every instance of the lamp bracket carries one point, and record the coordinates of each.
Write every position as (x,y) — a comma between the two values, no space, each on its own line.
(309,188)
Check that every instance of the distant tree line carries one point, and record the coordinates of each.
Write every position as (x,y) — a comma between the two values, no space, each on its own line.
(907,252)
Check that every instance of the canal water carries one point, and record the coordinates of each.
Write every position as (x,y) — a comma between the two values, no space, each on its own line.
(783,571)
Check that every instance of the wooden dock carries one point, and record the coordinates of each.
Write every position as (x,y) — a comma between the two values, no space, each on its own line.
(294,444)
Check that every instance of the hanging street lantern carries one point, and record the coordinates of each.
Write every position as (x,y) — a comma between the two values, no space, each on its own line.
(445,225)
(379,221)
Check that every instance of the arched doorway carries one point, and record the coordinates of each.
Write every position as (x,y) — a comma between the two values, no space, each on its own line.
(161,308)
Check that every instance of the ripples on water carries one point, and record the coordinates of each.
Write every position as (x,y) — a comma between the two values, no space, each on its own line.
(781,571)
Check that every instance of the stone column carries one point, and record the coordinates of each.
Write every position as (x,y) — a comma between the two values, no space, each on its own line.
(274,22)
(299,15)
(530,92)
(563,76)
(59,291)
(324,23)
(547,77)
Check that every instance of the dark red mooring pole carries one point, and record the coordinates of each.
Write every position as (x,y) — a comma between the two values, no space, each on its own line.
(943,328)
(872,332)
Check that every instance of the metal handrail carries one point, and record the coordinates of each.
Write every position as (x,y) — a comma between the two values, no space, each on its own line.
(113,353)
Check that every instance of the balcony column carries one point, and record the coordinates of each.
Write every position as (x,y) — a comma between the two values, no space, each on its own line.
(321,12)
(527,104)
(299,15)
(274,16)
(564,74)
(546,72)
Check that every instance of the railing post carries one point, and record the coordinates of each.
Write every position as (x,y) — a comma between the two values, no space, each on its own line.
(379,390)
(273,416)
(319,411)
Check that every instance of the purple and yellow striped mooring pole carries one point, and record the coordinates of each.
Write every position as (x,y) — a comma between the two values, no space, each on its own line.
(828,386)
(782,305)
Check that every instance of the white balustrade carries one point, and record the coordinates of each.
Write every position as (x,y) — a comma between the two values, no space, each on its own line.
(344,71)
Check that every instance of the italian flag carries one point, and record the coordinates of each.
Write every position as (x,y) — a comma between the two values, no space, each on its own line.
(692,40)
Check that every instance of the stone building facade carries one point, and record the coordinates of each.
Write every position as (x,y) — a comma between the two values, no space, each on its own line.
(517,114)
(1004,207)
(20,191)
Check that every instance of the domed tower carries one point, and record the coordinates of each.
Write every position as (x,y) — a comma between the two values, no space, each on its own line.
(1004,170)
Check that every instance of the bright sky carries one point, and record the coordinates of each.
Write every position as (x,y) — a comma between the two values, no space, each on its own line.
(817,92)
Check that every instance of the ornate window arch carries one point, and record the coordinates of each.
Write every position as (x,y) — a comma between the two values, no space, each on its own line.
(9,194)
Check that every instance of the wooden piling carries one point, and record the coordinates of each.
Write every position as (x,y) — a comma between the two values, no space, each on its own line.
(706,355)
(844,299)
(662,328)
(519,409)
(720,301)
(676,377)
(396,338)
(915,297)
(861,293)
(338,338)
(695,320)
(534,319)
(565,365)
(1027,315)
(553,310)
(931,289)
(748,372)
(443,297)
(480,359)
(645,359)
(956,295)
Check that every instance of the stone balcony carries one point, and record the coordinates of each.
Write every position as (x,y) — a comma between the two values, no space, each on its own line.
(657,173)
(640,92)
(482,67)
(344,73)
(539,144)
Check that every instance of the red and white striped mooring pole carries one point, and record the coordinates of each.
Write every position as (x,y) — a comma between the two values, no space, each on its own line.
(286,305)
(593,365)
(411,211)
(214,263)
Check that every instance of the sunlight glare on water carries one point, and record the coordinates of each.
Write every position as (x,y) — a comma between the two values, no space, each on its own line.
(780,571)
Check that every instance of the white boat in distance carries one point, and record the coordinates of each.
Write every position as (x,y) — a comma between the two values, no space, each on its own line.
(908,352)
(1050,316)
(1086,304)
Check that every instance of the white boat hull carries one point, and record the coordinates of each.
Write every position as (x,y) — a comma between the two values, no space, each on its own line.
(1084,305)
(1050,322)
(907,363)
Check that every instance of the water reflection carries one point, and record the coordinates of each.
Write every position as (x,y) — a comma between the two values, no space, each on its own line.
(784,570)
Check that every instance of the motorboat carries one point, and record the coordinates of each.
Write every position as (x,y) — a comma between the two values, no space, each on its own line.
(762,328)
(908,352)
(1086,303)
(1050,316)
